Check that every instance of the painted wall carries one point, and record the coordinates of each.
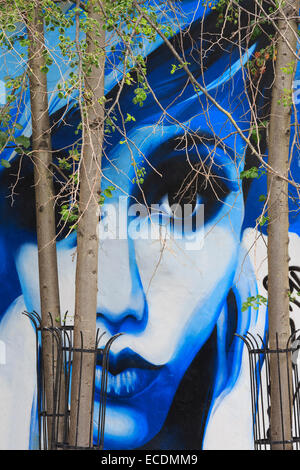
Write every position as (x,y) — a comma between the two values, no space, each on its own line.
(181,377)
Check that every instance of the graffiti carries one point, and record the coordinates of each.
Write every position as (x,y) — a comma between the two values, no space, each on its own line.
(294,283)
(178,360)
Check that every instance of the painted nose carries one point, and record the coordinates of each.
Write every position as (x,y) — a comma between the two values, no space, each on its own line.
(121,299)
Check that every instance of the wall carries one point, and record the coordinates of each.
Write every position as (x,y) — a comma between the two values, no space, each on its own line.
(180,376)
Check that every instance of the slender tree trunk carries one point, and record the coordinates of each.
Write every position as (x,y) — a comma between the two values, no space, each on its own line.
(278,224)
(44,196)
(88,240)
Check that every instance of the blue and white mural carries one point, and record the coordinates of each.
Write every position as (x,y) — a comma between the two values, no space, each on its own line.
(178,377)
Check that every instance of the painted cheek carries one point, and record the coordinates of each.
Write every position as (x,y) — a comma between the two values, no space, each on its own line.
(26,261)
(115,283)
(27,267)
(66,260)
(178,286)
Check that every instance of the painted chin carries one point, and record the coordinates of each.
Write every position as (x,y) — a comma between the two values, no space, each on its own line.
(138,401)
(124,428)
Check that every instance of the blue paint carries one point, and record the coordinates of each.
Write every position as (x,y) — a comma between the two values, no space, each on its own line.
(144,292)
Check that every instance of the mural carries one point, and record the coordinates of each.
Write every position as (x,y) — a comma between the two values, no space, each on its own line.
(178,377)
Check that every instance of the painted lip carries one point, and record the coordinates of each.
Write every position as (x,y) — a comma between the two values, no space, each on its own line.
(128,375)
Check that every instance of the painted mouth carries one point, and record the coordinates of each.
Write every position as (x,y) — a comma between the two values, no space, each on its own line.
(125,384)
(128,374)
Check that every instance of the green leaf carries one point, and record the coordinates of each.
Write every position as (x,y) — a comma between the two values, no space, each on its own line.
(101,200)
(263,219)
(3,138)
(11,28)
(129,118)
(23,141)
(44,69)
(5,163)
(107,192)
(250,174)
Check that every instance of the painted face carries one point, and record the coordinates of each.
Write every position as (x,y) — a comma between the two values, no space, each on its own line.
(163,291)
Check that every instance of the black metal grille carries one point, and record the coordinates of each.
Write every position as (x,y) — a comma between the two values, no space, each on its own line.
(62,351)
(260,384)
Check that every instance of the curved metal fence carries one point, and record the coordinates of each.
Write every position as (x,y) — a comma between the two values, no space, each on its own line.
(54,419)
(285,363)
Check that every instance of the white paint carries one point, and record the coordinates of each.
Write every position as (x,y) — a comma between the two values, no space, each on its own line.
(17,378)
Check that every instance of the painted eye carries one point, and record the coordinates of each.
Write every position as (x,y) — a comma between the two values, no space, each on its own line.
(178,184)
(179,207)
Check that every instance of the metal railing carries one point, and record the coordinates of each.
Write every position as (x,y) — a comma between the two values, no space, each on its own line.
(54,423)
(287,384)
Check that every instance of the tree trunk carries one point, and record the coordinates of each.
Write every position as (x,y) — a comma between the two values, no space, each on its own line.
(88,240)
(44,196)
(278,225)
